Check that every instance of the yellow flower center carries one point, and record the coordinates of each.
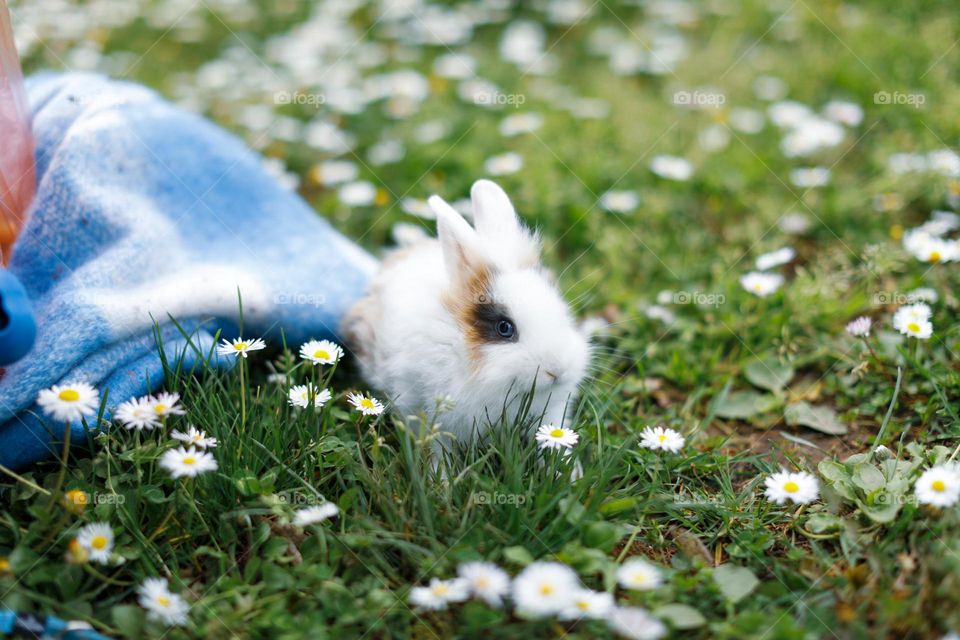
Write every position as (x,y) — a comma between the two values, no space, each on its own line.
(546,589)
(159,407)
(189,460)
(791,487)
(367,403)
(662,437)
(441,590)
(481,583)
(163,601)
(240,346)
(913,327)
(69,395)
(935,256)
(557,433)
(758,287)
(99,543)
(320,354)
(77,497)
(4,565)
(583,605)
(938,486)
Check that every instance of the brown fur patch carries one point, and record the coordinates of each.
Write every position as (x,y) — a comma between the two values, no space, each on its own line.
(463,299)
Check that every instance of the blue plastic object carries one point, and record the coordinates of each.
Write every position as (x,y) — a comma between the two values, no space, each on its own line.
(17,327)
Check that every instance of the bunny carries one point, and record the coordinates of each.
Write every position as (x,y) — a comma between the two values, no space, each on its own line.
(470,317)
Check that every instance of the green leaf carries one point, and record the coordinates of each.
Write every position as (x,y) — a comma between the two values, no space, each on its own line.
(680,616)
(518,556)
(883,511)
(741,405)
(833,471)
(152,493)
(128,619)
(602,535)
(823,522)
(823,419)
(735,583)
(769,373)
(868,477)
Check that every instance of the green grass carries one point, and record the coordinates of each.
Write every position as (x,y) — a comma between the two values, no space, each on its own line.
(848,566)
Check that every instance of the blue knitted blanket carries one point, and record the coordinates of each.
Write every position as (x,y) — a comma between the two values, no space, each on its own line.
(146,214)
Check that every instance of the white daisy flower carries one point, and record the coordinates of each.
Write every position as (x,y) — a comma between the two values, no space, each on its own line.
(303,394)
(859,327)
(486,581)
(939,486)
(187,463)
(620,201)
(639,575)
(316,514)
(775,258)
(794,223)
(520,123)
(552,437)
(334,172)
(161,604)
(914,320)
(788,113)
(504,164)
(97,540)
(321,352)
(439,594)
(359,193)
(810,177)
(661,438)
(194,437)
(367,405)
(672,167)
(386,152)
(661,313)
(545,588)
(810,136)
(922,294)
(588,604)
(69,402)
(799,487)
(747,121)
(240,347)
(926,247)
(761,284)
(136,413)
(166,404)
(847,113)
(635,623)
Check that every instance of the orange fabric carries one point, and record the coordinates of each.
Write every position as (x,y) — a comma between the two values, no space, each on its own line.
(17,177)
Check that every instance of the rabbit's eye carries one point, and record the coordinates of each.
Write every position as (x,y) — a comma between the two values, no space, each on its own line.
(505,329)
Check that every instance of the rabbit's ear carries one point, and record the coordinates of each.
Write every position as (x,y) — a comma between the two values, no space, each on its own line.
(458,240)
(493,214)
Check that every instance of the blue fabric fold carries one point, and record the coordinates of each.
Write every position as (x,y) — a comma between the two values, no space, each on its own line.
(146,213)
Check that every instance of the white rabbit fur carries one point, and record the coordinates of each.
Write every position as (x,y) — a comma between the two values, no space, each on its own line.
(421,334)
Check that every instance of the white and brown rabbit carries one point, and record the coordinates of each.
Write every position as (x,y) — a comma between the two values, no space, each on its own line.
(471,316)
